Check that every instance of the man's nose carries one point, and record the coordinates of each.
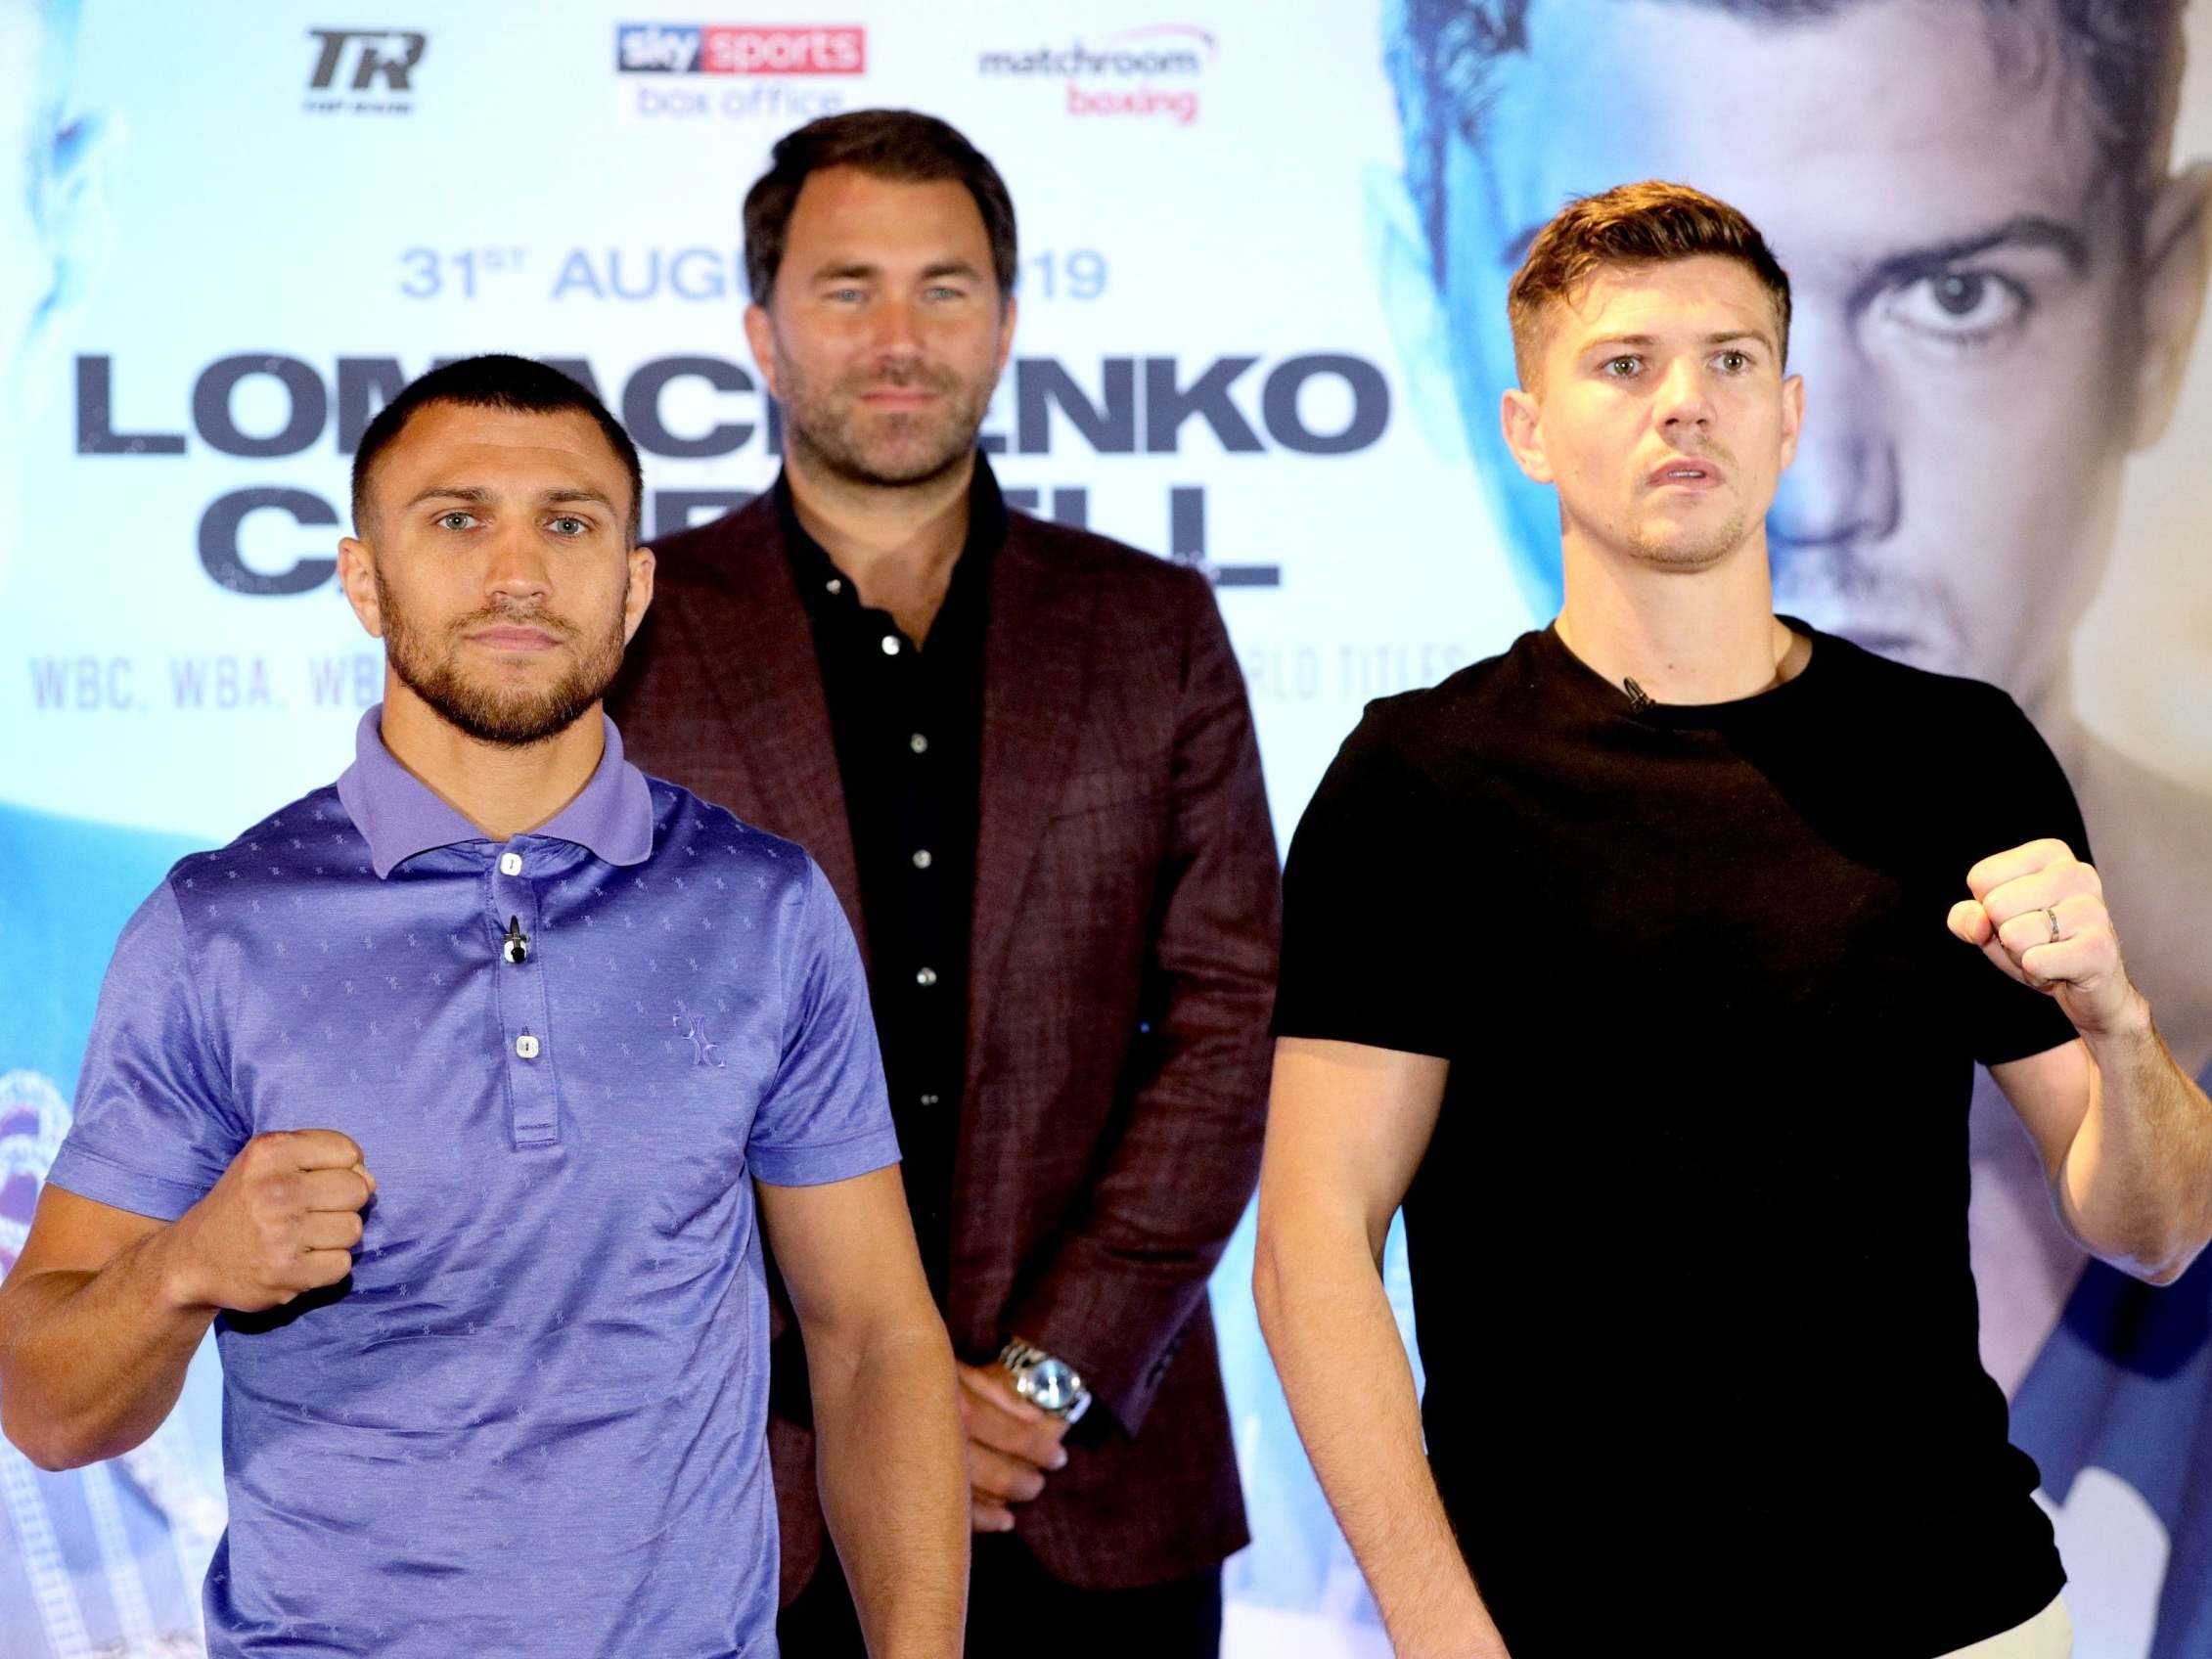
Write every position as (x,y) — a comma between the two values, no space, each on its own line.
(898,329)
(517,568)
(1842,488)
(1685,401)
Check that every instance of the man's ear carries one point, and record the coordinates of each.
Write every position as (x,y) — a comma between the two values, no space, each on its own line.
(761,337)
(356,575)
(1523,420)
(71,213)
(638,597)
(2176,260)
(1406,275)
(1793,417)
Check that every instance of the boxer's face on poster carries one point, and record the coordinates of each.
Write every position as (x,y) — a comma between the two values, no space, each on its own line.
(886,330)
(1965,302)
(24,260)
(48,208)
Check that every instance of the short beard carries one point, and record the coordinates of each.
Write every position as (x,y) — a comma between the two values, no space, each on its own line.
(825,427)
(506,719)
(1677,559)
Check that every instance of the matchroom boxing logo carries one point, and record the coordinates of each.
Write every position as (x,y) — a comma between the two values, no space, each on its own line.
(1150,72)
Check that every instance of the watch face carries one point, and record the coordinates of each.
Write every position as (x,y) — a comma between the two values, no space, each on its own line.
(1052,1385)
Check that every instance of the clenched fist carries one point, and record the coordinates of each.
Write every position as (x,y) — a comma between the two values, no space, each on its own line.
(2038,913)
(284,1219)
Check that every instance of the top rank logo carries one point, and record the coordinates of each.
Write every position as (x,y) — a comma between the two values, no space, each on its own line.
(363,71)
(741,49)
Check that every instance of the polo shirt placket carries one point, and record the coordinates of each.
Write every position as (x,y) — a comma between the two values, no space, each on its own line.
(519,995)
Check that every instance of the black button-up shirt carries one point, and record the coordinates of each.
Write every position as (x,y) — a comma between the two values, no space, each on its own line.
(907,725)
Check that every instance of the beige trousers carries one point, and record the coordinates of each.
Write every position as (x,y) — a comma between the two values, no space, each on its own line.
(2049,1634)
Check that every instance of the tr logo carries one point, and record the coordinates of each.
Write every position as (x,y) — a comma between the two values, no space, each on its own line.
(372,57)
(693,1029)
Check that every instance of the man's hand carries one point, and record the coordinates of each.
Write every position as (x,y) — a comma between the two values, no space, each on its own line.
(1011,1446)
(283,1220)
(2038,913)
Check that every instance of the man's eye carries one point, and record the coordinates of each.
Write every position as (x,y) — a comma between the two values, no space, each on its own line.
(1961,308)
(1734,362)
(569,524)
(455,520)
(1620,367)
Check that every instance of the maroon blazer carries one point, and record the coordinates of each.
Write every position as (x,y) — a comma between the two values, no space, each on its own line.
(1122,973)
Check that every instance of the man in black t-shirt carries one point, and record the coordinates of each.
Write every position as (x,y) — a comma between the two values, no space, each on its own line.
(1620,960)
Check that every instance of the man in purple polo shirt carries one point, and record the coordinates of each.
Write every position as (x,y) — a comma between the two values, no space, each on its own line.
(449,1094)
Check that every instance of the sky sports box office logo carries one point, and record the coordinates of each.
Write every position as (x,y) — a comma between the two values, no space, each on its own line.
(741,49)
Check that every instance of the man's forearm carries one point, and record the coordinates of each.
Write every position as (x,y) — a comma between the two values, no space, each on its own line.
(891,1460)
(1336,1347)
(91,1363)
(2136,1183)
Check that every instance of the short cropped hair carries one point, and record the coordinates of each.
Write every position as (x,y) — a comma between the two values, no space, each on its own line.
(1632,224)
(903,146)
(1443,57)
(520,385)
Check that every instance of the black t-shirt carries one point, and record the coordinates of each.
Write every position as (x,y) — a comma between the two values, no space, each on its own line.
(1688,1244)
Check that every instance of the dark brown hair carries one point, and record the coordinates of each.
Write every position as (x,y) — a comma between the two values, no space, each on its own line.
(1632,224)
(904,145)
(519,385)
(1445,58)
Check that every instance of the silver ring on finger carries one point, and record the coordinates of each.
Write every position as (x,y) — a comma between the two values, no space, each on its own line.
(2052,916)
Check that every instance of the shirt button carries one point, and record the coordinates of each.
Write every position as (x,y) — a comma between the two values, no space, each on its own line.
(926,977)
(928,1100)
(921,859)
(891,645)
(510,864)
(526,1045)
(918,743)
(835,586)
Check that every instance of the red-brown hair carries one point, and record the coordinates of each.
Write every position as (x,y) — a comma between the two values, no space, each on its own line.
(1632,224)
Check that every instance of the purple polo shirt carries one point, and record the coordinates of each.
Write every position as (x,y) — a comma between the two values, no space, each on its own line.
(533,1421)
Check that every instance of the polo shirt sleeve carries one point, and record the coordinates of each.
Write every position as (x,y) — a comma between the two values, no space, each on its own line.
(827,1116)
(2025,797)
(155,1125)
(1369,904)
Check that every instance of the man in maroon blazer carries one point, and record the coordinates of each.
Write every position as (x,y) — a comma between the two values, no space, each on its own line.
(1023,756)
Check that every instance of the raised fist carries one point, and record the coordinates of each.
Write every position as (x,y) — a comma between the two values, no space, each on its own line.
(284,1219)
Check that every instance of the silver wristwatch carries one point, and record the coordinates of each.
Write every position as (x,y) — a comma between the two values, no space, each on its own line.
(1049,1384)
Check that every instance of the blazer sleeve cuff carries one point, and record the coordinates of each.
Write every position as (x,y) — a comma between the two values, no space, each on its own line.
(1120,1338)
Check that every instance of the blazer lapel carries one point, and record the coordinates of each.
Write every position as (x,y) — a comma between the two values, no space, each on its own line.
(1036,666)
(758,644)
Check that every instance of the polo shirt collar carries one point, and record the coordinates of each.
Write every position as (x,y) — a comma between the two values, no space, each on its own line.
(400,815)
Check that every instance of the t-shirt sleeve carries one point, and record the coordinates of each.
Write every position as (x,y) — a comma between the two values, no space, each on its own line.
(155,1125)
(827,1116)
(2024,797)
(1366,909)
